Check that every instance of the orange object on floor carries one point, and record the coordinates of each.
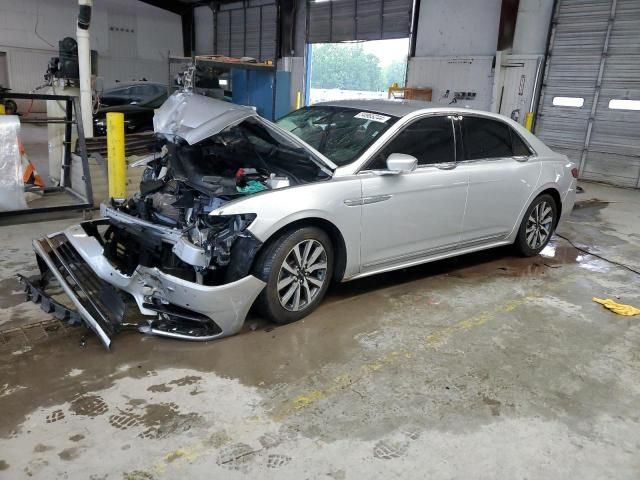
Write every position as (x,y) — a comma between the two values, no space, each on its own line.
(30,175)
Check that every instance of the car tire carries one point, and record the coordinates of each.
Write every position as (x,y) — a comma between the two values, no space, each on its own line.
(296,282)
(537,226)
(11,105)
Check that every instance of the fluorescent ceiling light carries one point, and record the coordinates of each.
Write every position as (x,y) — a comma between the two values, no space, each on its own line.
(568,101)
(618,104)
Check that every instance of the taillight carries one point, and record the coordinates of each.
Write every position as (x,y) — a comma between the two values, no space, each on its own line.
(574,172)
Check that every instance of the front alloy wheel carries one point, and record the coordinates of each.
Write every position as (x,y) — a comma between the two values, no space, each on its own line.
(302,275)
(297,267)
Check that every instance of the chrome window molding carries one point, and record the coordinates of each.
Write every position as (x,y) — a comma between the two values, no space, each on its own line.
(360,165)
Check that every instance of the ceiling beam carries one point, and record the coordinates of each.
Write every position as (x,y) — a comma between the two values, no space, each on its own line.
(185,10)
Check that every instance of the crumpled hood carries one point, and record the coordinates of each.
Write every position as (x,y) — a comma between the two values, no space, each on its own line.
(195,117)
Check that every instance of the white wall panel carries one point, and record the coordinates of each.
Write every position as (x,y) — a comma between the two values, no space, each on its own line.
(457,27)
(122,55)
(532,27)
(464,74)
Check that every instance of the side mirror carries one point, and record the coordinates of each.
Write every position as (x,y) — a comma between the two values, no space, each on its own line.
(401,163)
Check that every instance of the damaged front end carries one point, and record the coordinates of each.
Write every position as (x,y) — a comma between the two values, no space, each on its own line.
(170,250)
(103,276)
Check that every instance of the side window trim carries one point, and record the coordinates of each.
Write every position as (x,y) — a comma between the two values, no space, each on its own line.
(532,152)
(512,132)
(365,168)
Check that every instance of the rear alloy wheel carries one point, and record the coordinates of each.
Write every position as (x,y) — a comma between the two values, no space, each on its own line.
(297,268)
(537,226)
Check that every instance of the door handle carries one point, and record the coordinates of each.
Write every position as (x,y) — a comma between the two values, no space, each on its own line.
(446,166)
(375,199)
(354,202)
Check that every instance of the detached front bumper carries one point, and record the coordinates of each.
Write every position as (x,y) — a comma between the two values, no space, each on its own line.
(94,286)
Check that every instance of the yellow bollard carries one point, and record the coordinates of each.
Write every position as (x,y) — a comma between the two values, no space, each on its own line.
(2,111)
(115,155)
(298,100)
(528,121)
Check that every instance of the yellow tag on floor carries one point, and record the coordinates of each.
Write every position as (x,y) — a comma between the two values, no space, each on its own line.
(618,308)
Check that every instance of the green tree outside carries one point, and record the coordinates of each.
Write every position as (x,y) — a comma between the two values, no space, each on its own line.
(349,67)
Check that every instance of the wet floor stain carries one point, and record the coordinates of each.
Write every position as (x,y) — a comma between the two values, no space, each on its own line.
(40,448)
(156,420)
(69,454)
(137,475)
(55,416)
(89,406)
(3,465)
(162,387)
(276,460)
(493,404)
(164,419)
(124,420)
(188,380)
(236,456)
(387,450)
(588,209)
(11,293)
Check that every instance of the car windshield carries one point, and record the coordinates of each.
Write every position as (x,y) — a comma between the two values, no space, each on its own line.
(341,134)
(138,92)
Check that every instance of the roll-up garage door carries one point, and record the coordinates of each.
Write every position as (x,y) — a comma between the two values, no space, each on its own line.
(590,103)
(344,20)
(246,29)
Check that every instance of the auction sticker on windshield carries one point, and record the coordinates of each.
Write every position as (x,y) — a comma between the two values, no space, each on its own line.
(375,117)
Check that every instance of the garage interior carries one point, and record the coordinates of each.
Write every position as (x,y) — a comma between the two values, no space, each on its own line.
(487,365)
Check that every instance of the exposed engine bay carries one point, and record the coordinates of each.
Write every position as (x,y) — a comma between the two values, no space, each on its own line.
(182,184)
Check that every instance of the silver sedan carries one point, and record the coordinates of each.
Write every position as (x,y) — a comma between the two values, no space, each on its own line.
(236,211)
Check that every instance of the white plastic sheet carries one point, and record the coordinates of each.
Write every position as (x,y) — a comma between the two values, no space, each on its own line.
(11,185)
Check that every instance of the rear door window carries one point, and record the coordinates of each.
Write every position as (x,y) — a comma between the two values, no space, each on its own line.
(520,148)
(485,138)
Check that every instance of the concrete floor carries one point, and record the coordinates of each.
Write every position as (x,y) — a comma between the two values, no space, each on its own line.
(487,366)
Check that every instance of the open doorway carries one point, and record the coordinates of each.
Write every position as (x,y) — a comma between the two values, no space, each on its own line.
(355,70)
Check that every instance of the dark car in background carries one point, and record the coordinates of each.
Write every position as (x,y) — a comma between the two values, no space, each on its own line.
(138,117)
(131,93)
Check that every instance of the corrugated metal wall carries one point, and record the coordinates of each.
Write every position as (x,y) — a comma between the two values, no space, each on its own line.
(239,29)
(594,56)
(345,20)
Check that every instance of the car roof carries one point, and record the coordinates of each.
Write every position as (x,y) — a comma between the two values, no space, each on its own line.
(402,108)
(131,84)
(397,108)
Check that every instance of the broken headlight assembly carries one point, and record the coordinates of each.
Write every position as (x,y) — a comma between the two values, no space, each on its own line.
(208,242)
